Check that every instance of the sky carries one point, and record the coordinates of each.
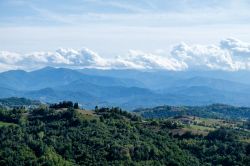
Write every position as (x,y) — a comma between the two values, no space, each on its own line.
(124,33)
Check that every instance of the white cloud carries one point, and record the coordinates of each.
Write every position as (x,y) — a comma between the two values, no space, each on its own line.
(236,47)
(141,60)
(59,58)
(203,57)
(7,57)
(231,54)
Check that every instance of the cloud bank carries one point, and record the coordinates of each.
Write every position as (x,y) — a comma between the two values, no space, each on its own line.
(230,54)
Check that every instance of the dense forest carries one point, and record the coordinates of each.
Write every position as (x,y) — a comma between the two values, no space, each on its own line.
(63,134)
(17,102)
(220,111)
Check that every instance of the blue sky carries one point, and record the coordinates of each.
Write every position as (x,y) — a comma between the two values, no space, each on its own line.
(112,27)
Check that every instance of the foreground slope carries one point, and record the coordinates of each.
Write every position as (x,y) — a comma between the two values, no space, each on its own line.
(67,136)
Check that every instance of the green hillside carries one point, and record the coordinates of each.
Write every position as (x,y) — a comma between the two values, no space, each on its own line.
(68,136)
(220,111)
(18,101)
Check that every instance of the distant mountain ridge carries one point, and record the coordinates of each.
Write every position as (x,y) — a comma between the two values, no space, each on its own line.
(128,89)
(50,77)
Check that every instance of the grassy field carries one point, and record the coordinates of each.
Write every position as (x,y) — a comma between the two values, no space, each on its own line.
(88,115)
(202,126)
(5,124)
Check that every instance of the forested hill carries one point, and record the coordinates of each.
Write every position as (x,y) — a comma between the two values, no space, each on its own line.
(220,111)
(16,102)
(70,136)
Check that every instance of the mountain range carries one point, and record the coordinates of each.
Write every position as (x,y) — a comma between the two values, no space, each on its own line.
(128,89)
